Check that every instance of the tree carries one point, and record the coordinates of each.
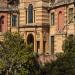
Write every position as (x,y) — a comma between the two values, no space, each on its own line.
(65,64)
(15,57)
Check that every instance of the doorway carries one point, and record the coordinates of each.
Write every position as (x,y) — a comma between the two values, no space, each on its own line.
(30,40)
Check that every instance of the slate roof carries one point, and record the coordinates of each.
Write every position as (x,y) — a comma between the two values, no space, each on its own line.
(61,2)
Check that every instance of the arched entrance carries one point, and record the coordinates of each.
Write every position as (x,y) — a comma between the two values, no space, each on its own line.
(30,40)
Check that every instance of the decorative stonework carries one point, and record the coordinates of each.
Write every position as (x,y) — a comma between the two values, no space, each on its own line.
(41,28)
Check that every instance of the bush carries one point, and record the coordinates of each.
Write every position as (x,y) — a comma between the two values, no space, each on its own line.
(15,57)
(65,64)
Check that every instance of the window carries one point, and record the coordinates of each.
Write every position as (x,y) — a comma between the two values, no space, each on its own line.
(14,20)
(60,21)
(52,44)
(70,15)
(30,13)
(34,16)
(1,22)
(38,46)
(44,47)
(52,19)
(26,16)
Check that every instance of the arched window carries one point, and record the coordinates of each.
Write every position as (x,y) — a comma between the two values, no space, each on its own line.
(1,22)
(30,13)
(60,21)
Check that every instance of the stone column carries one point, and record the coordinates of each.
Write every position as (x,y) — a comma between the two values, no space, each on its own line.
(47,43)
(41,43)
(25,37)
(35,50)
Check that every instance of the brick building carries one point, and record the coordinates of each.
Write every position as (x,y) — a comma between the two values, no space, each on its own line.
(3,16)
(44,23)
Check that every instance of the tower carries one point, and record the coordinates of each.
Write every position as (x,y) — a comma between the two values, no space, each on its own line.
(34,22)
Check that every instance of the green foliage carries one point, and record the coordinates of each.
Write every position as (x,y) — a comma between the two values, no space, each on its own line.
(15,57)
(69,44)
(18,59)
(65,64)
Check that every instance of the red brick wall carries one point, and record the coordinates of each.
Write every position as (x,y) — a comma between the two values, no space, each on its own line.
(4,24)
(60,19)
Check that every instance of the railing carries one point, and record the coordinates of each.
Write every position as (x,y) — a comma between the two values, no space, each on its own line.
(13,8)
(3,9)
(8,8)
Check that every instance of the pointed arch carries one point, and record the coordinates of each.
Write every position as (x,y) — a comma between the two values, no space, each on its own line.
(30,39)
(1,22)
(60,21)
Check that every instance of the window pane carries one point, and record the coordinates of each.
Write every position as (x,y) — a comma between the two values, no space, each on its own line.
(1,22)
(52,18)
(70,15)
(30,14)
(52,44)
(14,20)
(34,16)
(26,16)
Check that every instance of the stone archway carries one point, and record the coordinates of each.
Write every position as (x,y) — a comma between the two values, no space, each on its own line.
(30,40)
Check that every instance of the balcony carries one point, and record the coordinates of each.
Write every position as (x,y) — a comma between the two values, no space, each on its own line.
(12,8)
(8,9)
(13,2)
